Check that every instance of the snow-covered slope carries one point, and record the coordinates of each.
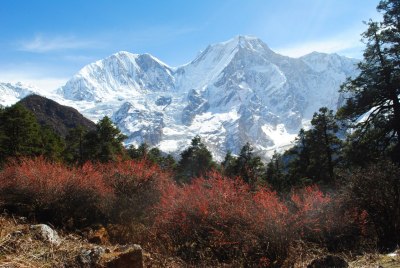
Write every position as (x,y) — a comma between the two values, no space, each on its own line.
(119,76)
(11,93)
(233,92)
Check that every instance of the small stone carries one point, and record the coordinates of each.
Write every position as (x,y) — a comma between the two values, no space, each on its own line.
(45,233)
(17,234)
(84,257)
(91,256)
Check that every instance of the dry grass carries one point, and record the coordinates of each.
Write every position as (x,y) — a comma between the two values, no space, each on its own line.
(373,260)
(18,248)
(301,254)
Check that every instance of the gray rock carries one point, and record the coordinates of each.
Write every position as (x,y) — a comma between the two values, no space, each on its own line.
(90,257)
(45,233)
(197,105)
(163,101)
(150,124)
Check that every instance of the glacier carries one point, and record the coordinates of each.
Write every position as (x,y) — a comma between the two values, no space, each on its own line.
(233,92)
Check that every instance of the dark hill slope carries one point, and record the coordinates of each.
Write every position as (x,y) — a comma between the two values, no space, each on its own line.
(60,118)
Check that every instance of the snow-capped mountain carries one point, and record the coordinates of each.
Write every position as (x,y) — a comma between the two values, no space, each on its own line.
(11,93)
(120,76)
(234,92)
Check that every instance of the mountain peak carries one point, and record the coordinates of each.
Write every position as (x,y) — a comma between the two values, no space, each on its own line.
(240,39)
(221,53)
(124,53)
(245,39)
(244,42)
(129,57)
(234,92)
(319,61)
(321,55)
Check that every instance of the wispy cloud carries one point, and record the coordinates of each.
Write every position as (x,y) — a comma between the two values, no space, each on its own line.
(34,75)
(348,44)
(47,84)
(42,44)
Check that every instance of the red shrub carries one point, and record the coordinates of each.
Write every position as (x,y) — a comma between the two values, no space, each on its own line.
(220,218)
(209,213)
(214,218)
(310,217)
(118,192)
(320,218)
(53,192)
(271,224)
(137,186)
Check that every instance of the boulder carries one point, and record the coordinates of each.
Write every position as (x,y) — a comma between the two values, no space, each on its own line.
(329,261)
(90,257)
(127,257)
(45,233)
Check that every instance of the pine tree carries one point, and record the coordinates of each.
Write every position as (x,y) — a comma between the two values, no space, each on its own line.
(153,155)
(248,166)
(143,151)
(105,143)
(325,145)
(275,174)
(53,145)
(195,161)
(168,163)
(316,152)
(228,165)
(74,151)
(299,159)
(375,91)
(20,133)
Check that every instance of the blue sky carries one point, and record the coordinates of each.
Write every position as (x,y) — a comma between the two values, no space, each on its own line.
(45,42)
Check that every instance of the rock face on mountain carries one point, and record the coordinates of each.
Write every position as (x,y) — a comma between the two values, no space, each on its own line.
(60,118)
(234,92)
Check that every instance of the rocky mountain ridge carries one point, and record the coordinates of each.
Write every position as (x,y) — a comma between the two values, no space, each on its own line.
(234,92)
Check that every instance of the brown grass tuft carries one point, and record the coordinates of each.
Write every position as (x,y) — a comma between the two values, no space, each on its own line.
(18,248)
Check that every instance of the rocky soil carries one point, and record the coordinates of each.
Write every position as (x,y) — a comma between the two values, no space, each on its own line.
(39,245)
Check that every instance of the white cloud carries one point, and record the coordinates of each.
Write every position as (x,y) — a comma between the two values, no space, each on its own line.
(347,44)
(47,84)
(41,44)
(44,83)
